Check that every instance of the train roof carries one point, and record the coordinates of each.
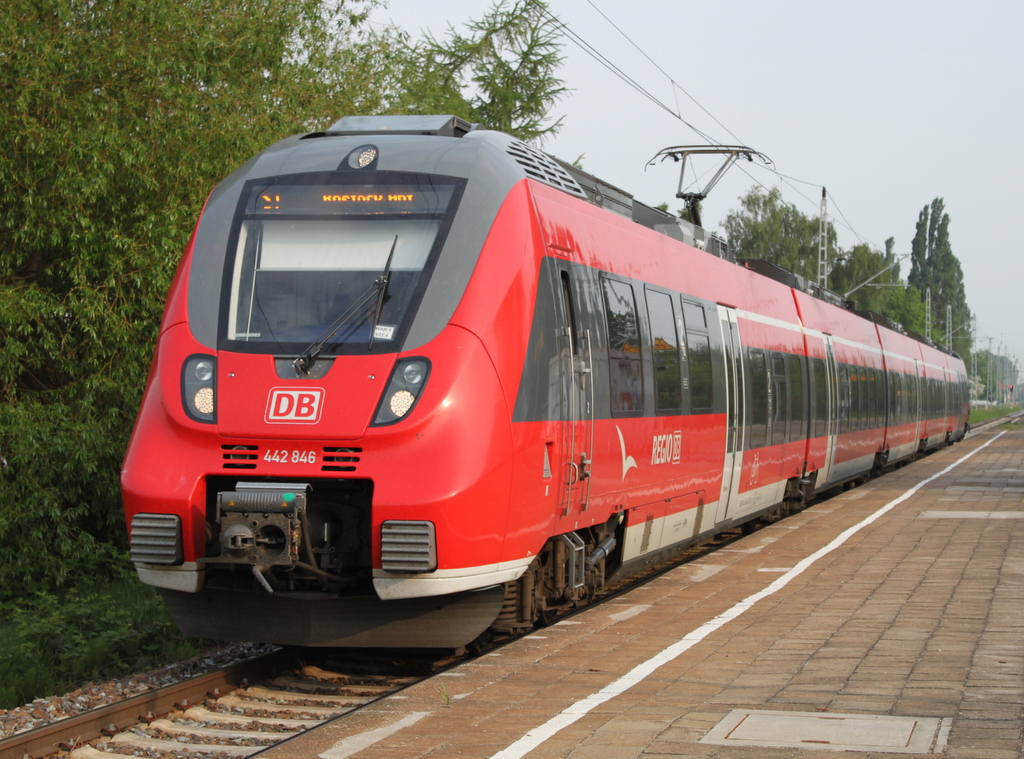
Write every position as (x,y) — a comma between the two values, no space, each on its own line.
(571,179)
(540,166)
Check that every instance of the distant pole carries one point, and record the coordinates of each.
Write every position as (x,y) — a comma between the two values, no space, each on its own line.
(974,352)
(988,373)
(823,243)
(949,326)
(1002,374)
(928,312)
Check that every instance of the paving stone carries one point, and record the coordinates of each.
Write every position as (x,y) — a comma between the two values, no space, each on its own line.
(911,617)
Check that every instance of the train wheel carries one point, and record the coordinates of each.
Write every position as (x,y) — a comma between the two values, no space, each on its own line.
(547,617)
(483,643)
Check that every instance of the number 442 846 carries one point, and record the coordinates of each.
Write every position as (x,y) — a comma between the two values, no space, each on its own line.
(295,457)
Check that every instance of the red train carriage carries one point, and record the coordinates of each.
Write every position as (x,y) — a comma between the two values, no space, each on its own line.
(418,382)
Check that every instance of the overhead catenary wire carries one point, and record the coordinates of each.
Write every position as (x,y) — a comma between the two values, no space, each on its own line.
(607,63)
(674,83)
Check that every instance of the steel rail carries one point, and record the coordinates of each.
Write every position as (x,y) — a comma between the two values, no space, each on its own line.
(81,728)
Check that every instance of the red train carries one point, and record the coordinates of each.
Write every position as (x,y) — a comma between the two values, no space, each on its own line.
(418,382)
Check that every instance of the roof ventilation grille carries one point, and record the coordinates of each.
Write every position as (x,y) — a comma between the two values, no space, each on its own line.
(540,166)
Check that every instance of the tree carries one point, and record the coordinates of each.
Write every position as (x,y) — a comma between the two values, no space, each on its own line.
(118,118)
(934,265)
(500,74)
(767,228)
(856,267)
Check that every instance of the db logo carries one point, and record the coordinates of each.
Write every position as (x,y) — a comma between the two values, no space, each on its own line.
(290,406)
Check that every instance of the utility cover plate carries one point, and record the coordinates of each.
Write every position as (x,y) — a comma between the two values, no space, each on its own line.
(830,731)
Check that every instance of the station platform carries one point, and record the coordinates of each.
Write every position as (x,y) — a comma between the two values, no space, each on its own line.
(888,620)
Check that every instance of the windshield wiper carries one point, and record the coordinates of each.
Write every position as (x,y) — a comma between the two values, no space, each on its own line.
(304,363)
(382,282)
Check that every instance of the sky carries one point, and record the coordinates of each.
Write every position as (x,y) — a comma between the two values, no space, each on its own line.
(887,103)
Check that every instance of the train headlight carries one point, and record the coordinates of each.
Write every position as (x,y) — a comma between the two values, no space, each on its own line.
(413,372)
(198,388)
(363,157)
(204,370)
(403,390)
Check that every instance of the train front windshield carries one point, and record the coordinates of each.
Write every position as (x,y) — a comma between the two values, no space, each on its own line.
(310,256)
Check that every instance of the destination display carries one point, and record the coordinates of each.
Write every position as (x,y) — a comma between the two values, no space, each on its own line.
(349,199)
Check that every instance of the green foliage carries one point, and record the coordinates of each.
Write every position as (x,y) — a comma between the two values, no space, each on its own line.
(768,228)
(905,306)
(855,268)
(934,265)
(996,374)
(50,644)
(981,414)
(118,118)
(500,74)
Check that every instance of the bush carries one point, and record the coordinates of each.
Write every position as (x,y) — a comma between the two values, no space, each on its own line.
(118,118)
(51,644)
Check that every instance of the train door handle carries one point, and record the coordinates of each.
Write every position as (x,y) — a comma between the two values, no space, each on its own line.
(574,470)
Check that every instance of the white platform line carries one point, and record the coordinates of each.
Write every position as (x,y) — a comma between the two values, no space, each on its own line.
(581,708)
(356,743)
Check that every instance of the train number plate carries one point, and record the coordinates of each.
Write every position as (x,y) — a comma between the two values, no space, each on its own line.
(290,457)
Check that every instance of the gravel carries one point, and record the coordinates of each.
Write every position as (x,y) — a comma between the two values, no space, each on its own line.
(92,695)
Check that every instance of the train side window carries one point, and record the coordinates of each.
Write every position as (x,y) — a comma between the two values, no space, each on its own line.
(698,348)
(856,398)
(844,399)
(694,316)
(665,345)
(867,404)
(872,399)
(758,399)
(890,397)
(820,382)
(627,392)
(869,397)
(879,398)
(865,397)
(701,385)
(901,399)
(797,401)
(779,390)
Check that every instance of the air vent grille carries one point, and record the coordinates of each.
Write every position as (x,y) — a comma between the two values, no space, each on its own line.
(543,168)
(240,456)
(407,546)
(156,539)
(340,459)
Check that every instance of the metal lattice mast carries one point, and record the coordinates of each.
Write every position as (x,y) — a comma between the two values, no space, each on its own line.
(988,374)
(974,353)
(949,326)
(928,312)
(823,243)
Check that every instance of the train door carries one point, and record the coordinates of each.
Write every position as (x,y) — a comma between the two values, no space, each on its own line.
(917,401)
(832,410)
(734,413)
(577,391)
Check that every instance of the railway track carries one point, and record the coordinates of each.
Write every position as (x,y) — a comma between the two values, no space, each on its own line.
(242,709)
(247,707)
(232,712)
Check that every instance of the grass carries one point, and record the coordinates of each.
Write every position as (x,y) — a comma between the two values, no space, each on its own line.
(53,643)
(981,414)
